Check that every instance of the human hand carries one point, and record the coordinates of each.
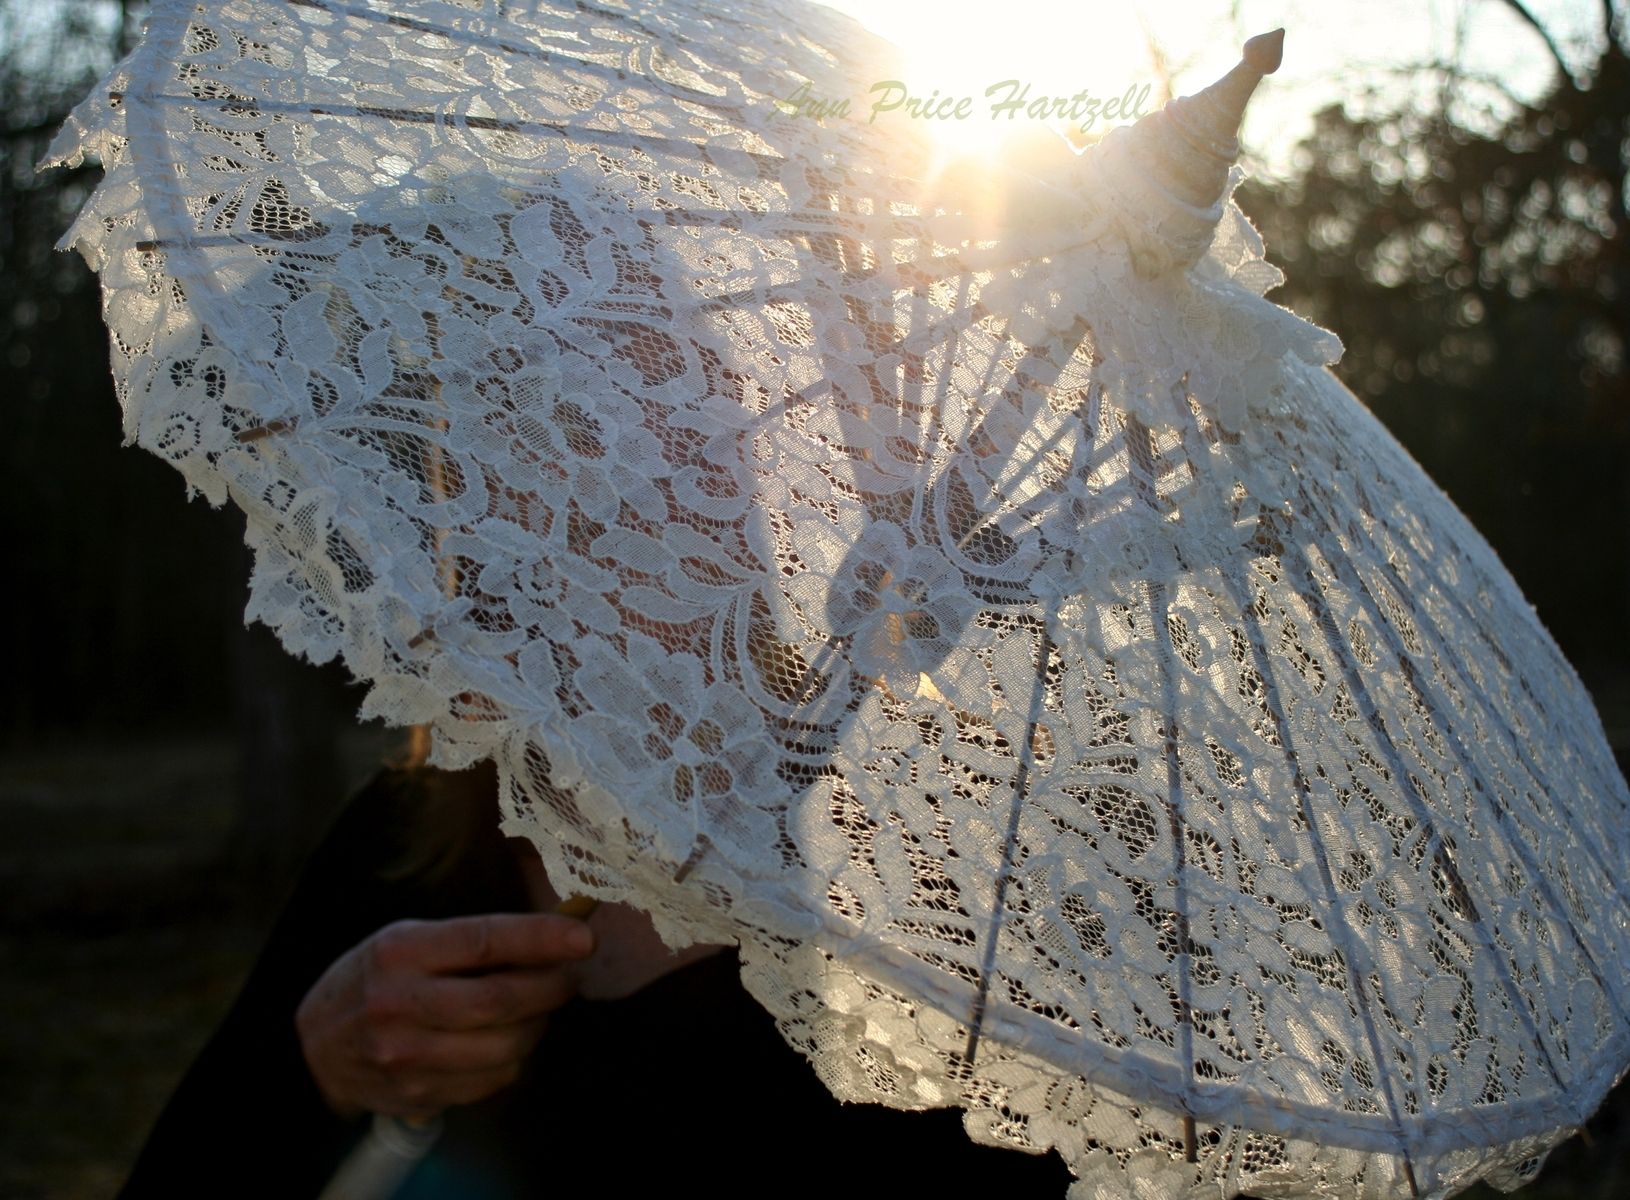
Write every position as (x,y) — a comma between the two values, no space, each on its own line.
(423,1015)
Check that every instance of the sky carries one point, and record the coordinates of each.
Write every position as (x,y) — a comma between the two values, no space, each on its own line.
(1333,50)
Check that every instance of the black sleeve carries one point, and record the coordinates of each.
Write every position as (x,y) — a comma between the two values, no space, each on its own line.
(644,1086)
(247,1118)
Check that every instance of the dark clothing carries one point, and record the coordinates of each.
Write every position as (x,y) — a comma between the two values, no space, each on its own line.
(684,1082)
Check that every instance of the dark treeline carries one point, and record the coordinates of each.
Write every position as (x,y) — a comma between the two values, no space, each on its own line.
(130,599)
(1481,283)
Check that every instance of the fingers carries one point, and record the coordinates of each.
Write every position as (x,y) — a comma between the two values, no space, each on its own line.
(413,1073)
(427,1014)
(460,1002)
(482,943)
(408,1053)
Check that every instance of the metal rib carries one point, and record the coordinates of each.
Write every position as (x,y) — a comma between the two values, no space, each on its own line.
(1428,820)
(676,147)
(1350,944)
(1175,822)
(519,49)
(1026,759)
(1474,621)
(1354,579)
(1021,783)
(769,166)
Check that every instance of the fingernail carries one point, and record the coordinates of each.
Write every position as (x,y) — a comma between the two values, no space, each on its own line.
(580,939)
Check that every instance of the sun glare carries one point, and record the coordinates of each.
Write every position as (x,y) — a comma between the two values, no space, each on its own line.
(976,74)
(983,56)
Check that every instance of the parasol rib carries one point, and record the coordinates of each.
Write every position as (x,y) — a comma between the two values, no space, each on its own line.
(1518,744)
(1021,787)
(1521,1003)
(449,120)
(470,37)
(1010,841)
(1450,595)
(1347,938)
(1428,820)
(1347,570)
(1175,823)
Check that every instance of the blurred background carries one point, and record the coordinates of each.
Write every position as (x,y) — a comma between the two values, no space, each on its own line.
(1444,185)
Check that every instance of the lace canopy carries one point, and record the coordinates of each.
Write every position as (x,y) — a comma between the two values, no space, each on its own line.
(992,615)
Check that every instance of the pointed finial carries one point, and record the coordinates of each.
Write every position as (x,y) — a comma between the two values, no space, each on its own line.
(1184,153)
(1209,123)
(1266,51)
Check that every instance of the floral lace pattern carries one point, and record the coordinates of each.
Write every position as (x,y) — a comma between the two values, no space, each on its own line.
(1015,646)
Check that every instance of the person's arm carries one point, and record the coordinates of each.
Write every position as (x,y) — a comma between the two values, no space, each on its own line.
(249,1118)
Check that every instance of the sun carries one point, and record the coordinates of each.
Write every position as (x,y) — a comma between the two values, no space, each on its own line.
(978,75)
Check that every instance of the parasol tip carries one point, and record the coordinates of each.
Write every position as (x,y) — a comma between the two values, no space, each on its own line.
(1265,51)
(1180,158)
(1209,122)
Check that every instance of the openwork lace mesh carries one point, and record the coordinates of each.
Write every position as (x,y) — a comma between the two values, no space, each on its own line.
(1076,704)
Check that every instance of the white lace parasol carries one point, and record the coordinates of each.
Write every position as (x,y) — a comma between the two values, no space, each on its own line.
(989,611)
